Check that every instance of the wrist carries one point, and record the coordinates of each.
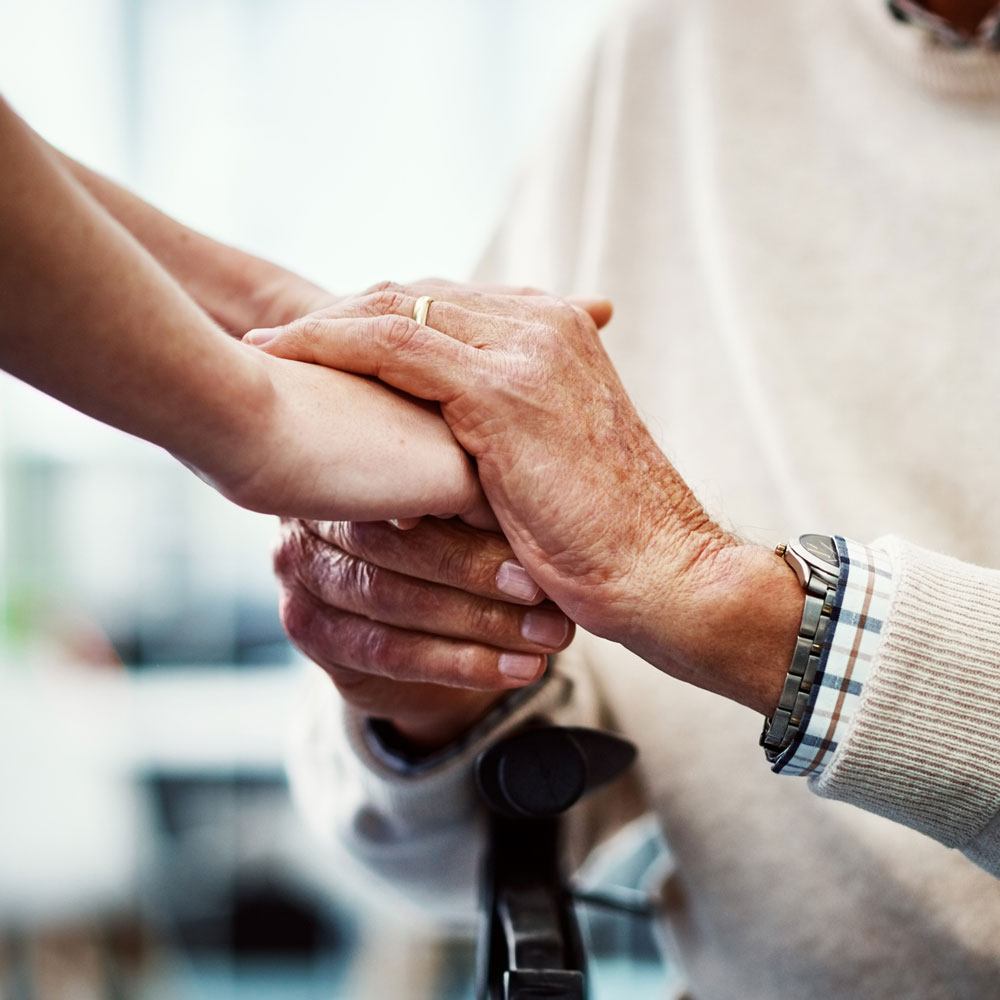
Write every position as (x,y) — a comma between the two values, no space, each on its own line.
(223,446)
(433,729)
(727,623)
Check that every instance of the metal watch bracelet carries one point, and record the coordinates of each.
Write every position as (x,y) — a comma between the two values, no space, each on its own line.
(820,590)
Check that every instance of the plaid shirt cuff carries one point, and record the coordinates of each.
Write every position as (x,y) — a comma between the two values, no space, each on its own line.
(859,611)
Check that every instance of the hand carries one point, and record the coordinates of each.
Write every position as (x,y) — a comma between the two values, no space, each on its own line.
(592,507)
(401,462)
(424,627)
(278,297)
(527,388)
(326,443)
(320,444)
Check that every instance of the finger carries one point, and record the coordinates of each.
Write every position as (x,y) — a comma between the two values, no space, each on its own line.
(404,523)
(520,303)
(599,309)
(342,581)
(388,296)
(332,638)
(432,363)
(437,284)
(483,298)
(502,304)
(478,319)
(400,300)
(446,552)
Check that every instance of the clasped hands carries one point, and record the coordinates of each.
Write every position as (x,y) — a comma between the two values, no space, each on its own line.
(428,627)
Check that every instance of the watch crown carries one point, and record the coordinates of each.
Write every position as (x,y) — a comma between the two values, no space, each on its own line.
(780,550)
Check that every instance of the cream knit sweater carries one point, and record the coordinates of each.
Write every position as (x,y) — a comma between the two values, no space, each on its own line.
(792,205)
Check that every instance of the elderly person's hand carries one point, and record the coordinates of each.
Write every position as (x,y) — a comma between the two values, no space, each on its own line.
(426,628)
(591,505)
(401,461)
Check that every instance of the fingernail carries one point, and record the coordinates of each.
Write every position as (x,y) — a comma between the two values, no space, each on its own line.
(519,666)
(404,523)
(259,337)
(513,579)
(545,629)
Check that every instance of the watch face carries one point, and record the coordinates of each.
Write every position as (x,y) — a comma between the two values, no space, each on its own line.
(821,547)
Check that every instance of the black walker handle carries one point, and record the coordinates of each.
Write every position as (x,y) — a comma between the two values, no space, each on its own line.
(530,946)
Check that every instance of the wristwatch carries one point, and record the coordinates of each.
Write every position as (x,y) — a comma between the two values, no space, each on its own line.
(816,564)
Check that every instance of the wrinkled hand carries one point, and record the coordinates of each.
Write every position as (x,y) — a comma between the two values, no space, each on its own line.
(397,460)
(592,507)
(426,628)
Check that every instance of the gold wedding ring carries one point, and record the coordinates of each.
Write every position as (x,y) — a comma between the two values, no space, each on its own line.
(420,309)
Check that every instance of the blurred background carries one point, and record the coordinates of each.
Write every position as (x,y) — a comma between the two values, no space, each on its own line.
(147,845)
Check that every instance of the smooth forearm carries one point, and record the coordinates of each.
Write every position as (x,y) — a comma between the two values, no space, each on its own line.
(88,316)
(237,289)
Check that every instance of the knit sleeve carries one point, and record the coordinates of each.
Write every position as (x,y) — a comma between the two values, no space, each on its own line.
(923,747)
(403,835)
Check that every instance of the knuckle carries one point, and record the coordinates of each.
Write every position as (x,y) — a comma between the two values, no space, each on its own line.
(482,619)
(382,286)
(525,373)
(337,575)
(356,585)
(386,300)
(459,565)
(375,647)
(297,616)
(353,538)
(359,578)
(332,577)
(369,582)
(368,540)
(473,667)
(290,550)
(308,330)
(340,535)
(396,333)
